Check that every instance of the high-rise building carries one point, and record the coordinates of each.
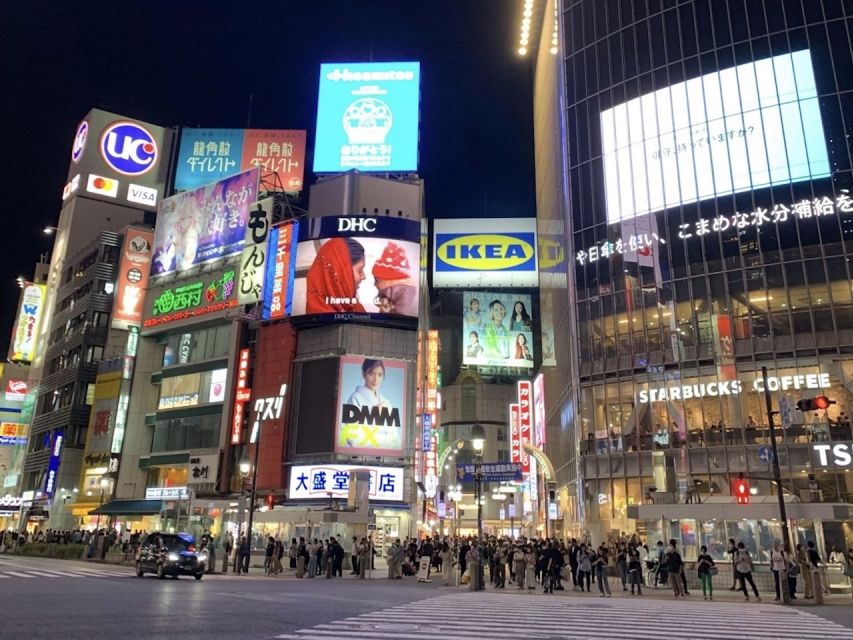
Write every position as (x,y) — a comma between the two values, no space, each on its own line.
(694,160)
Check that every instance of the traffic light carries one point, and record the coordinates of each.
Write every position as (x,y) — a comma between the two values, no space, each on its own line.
(820,403)
(741,490)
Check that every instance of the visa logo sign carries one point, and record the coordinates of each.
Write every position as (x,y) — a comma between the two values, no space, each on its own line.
(485,252)
(142,195)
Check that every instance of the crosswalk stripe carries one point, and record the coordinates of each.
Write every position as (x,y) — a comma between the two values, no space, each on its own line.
(41,573)
(467,616)
(19,575)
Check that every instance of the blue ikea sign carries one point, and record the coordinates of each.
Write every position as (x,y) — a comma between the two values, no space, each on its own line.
(367,117)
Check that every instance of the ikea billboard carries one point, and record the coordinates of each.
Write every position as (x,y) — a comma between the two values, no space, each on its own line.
(466,255)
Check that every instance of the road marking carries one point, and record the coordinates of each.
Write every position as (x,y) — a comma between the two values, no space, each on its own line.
(41,573)
(19,575)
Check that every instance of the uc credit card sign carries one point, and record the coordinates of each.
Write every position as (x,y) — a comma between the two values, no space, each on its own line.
(367,117)
(467,256)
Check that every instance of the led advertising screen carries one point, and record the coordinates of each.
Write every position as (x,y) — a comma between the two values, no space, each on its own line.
(208,155)
(371,406)
(204,224)
(747,127)
(119,159)
(367,117)
(357,268)
(494,252)
(497,329)
(133,273)
(26,331)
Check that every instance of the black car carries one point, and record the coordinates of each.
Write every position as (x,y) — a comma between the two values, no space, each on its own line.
(169,554)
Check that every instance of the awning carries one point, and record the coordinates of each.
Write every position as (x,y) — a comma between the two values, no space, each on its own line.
(128,508)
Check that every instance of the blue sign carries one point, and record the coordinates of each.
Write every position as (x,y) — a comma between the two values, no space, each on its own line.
(128,148)
(427,431)
(765,454)
(207,155)
(490,471)
(53,465)
(367,117)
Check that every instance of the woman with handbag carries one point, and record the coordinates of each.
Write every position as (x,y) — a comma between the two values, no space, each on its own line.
(706,570)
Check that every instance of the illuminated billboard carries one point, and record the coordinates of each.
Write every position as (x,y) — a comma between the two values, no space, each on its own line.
(357,268)
(203,225)
(494,252)
(26,331)
(367,117)
(190,298)
(253,260)
(497,329)
(746,127)
(281,267)
(120,160)
(371,406)
(323,480)
(132,278)
(209,155)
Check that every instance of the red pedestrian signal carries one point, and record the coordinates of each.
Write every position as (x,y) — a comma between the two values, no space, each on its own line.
(822,402)
(270,502)
(741,491)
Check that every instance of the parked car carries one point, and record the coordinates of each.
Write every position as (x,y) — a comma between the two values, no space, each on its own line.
(169,554)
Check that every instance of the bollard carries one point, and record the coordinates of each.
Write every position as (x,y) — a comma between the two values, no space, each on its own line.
(817,583)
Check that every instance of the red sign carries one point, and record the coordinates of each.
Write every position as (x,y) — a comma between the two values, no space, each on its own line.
(132,278)
(741,491)
(242,395)
(514,434)
(432,376)
(281,276)
(279,153)
(525,420)
(16,389)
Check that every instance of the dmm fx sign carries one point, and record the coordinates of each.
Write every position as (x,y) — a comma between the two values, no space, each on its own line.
(839,455)
(733,387)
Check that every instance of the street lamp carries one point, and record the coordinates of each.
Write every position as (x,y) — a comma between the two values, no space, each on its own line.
(478,440)
(49,230)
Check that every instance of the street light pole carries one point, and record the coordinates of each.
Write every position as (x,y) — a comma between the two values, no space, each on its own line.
(254,487)
(478,440)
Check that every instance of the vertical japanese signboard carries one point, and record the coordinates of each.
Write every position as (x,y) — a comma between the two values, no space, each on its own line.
(25,333)
(253,260)
(242,395)
(278,282)
(132,278)
(432,373)
(514,434)
(525,420)
(539,410)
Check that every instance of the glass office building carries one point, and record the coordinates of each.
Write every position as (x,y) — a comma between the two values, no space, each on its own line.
(709,235)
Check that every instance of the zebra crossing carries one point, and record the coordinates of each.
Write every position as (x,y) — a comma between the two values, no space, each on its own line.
(470,616)
(21,573)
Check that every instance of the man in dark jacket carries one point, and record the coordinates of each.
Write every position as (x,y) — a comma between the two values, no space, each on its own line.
(464,548)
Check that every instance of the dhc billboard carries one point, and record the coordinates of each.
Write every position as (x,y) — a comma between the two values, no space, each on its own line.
(466,256)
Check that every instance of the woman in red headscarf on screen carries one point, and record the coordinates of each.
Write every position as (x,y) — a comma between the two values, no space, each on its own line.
(334,276)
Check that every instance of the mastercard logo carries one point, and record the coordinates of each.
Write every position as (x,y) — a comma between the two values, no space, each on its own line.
(102,186)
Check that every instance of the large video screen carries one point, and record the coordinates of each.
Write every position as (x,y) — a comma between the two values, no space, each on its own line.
(357,268)
(372,406)
(367,117)
(497,329)
(204,224)
(747,127)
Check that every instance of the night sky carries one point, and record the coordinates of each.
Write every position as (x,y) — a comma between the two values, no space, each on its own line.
(196,63)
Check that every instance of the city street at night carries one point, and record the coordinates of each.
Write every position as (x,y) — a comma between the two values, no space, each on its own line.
(79,601)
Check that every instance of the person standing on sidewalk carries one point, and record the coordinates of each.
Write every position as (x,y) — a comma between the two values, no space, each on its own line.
(354,556)
(363,558)
(446,556)
(732,551)
(815,562)
(622,564)
(743,565)
(778,563)
(519,567)
(703,566)
(805,571)
(601,572)
(635,571)
(674,564)
(584,567)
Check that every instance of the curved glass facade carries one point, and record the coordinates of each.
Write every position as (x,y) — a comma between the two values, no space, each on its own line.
(711,222)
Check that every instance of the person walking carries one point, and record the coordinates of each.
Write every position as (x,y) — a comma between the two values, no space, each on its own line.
(805,571)
(427,551)
(778,563)
(732,551)
(291,554)
(703,568)
(601,572)
(312,558)
(519,567)
(268,556)
(635,571)
(499,558)
(354,556)
(744,566)
(674,564)
(301,554)
(473,563)
(446,556)
(363,558)
(622,564)
(530,568)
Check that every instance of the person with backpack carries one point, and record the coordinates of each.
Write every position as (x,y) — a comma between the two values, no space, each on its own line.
(704,565)
(674,564)
(743,566)
(635,571)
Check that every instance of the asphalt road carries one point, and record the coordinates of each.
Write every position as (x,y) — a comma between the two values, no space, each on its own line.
(52,599)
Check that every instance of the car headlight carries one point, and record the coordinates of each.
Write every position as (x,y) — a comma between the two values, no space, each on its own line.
(173,557)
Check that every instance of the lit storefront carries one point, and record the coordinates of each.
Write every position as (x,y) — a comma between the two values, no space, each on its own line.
(710,230)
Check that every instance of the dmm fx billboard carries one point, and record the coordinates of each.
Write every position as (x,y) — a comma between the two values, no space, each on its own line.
(26,330)
(203,225)
(357,268)
(367,117)
(120,160)
(468,256)
(208,155)
(191,298)
(318,481)
(133,273)
(372,408)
